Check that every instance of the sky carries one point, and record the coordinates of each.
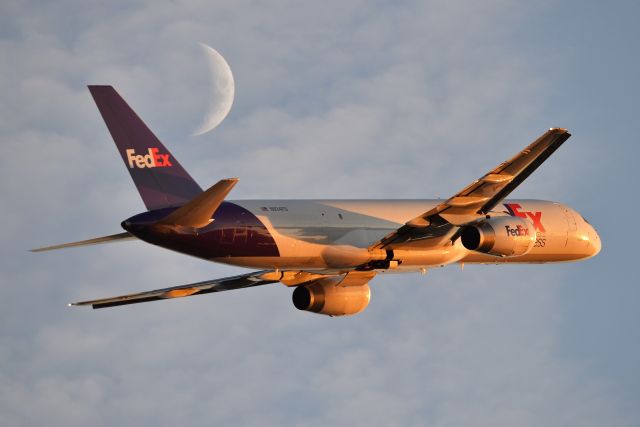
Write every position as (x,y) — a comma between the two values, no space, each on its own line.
(334,99)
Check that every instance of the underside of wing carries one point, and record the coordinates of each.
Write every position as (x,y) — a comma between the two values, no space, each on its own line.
(479,197)
(217,285)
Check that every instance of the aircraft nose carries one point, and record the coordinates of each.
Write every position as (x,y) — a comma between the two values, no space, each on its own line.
(594,241)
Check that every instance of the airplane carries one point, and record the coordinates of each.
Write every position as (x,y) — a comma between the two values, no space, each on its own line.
(329,250)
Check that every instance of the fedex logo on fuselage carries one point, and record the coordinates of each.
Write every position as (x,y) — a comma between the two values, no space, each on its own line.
(535,217)
(153,159)
(518,231)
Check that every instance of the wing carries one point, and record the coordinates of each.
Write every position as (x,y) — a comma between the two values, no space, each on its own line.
(480,196)
(218,285)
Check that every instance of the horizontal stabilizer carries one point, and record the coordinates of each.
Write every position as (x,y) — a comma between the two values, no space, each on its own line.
(217,285)
(198,212)
(105,239)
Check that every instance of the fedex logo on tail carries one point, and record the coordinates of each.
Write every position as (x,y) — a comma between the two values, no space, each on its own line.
(535,217)
(153,159)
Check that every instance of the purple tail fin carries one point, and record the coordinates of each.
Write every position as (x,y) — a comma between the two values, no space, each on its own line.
(160,179)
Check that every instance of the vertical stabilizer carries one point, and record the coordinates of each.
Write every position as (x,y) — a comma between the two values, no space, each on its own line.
(160,179)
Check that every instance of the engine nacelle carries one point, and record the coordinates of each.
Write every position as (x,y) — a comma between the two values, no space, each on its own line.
(502,236)
(324,297)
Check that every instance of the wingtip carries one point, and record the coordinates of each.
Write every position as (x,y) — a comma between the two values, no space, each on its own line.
(44,249)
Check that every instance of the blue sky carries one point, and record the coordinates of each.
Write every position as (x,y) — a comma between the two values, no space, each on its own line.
(343,99)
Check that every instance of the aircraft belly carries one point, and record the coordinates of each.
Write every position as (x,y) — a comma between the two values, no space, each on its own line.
(319,248)
(279,263)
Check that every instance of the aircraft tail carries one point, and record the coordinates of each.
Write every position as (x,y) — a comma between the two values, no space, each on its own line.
(160,179)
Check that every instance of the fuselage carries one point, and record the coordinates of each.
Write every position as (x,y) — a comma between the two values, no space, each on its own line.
(335,235)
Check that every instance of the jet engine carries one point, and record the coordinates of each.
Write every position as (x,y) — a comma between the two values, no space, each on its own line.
(501,236)
(325,297)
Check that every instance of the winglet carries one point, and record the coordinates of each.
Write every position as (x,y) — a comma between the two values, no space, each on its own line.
(198,212)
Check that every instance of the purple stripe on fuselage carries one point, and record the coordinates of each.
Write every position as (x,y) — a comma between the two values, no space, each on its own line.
(234,232)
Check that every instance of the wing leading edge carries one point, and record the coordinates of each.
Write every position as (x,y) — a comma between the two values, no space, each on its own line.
(482,195)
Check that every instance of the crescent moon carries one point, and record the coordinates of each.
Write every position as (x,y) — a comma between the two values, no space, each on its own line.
(222,91)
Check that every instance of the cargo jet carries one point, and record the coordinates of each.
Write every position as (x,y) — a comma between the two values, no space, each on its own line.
(329,250)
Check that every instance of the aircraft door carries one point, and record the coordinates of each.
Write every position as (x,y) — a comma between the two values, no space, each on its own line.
(572,227)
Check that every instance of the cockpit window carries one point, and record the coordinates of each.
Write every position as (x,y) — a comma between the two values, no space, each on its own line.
(585,220)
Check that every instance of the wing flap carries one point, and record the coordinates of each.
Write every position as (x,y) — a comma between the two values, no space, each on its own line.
(465,201)
(496,178)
